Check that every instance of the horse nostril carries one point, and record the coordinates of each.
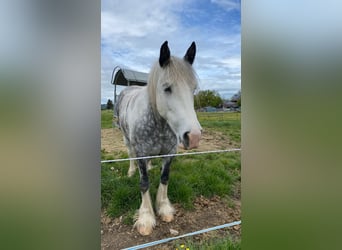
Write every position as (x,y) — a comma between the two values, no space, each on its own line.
(186,139)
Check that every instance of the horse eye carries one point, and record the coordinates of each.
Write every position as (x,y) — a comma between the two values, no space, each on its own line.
(168,90)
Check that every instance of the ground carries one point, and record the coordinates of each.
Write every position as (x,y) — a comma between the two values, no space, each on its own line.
(112,140)
(206,213)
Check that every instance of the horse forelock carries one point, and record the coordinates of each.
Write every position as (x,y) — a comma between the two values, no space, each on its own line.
(177,72)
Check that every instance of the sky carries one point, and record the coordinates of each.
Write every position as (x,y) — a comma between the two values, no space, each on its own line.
(132,32)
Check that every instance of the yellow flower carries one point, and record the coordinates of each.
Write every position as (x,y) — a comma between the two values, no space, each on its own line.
(187,248)
(182,246)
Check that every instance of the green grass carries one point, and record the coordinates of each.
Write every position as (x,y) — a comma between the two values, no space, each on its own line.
(190,176)
(107,118)
(212,244)
(227,123)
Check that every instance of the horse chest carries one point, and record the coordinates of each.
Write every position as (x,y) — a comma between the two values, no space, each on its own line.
(151,139)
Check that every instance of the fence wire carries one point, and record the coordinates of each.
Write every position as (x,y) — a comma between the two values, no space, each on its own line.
(171,155)
(153,243)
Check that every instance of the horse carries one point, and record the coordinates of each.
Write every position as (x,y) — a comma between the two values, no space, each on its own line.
(155,119)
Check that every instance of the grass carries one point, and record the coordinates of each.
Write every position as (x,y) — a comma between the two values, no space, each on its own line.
(212,244)
(227,123)
(107,118)
(190,176)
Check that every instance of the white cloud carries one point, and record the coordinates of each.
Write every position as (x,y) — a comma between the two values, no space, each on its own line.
(134,19)
(132,32)
(228,5)
(233,63)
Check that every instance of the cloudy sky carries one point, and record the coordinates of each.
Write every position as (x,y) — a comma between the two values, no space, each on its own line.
(132,32)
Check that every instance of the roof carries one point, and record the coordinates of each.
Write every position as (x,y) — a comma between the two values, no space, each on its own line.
(126,77)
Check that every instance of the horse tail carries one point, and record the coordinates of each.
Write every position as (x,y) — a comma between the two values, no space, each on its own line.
(117,110)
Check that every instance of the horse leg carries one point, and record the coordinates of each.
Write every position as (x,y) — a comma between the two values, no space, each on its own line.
(149,165)
(145,219)
(164,207)
(132,167)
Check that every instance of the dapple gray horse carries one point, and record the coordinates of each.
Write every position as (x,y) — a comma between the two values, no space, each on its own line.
(155,119)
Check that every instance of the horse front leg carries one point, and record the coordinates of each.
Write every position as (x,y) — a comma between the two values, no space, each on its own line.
(131,154)
(145,219)
(164,208)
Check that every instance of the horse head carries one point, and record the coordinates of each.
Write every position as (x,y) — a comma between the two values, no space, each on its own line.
(172,83)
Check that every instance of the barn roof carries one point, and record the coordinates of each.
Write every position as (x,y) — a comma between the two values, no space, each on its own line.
(126,77)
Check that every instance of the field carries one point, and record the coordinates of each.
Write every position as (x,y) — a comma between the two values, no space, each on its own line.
(204,189)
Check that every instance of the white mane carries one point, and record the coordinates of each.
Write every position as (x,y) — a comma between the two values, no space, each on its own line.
(178,71)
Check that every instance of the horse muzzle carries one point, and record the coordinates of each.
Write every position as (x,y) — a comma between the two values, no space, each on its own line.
(191,139)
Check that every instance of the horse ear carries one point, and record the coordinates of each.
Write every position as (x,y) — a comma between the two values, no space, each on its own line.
(190,53)
(164,57)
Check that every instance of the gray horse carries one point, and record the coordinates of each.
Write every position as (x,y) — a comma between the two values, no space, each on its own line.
(154,120)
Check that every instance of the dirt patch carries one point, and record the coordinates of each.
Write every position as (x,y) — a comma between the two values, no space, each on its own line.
(112,141)
(207,213)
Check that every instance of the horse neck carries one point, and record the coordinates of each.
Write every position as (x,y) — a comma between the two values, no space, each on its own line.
(158,119)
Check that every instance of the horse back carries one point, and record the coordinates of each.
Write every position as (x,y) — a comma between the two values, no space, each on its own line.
(130,104)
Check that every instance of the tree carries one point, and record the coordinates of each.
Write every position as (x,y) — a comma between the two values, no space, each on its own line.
(206,98)
(110,104)
(237,98)
(239,101)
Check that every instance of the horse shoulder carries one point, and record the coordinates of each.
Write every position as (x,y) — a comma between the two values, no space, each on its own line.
(135,108)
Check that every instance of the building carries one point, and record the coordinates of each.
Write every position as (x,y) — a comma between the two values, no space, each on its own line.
(127,77)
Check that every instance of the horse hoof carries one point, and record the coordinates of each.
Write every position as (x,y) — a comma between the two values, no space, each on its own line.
(144,231)
(167,218)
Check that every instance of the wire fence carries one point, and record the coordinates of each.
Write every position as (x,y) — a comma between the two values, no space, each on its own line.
(153,243)
(172,155)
